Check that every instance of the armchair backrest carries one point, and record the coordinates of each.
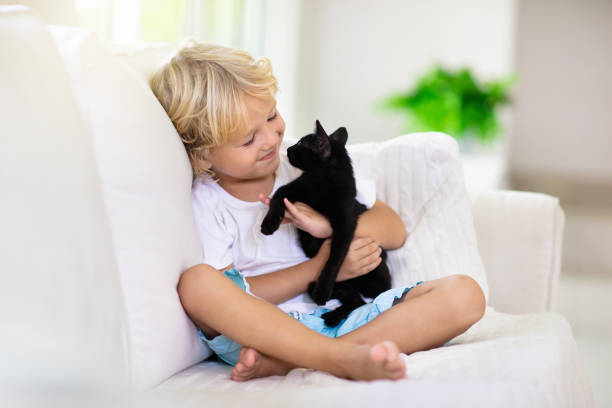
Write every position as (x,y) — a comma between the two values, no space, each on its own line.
(61,309)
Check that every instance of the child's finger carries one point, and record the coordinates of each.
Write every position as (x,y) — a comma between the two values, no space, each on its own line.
(370,267)
(264,199)
(289,205)
(371,257)
(370,251)
(292,209)
(302,208)
(288,218)
(361,242)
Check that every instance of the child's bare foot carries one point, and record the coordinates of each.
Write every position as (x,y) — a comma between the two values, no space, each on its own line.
(380,361)
(252,364)
(363,362)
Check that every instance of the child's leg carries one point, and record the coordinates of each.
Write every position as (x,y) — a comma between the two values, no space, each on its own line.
(429,315)
(214,302)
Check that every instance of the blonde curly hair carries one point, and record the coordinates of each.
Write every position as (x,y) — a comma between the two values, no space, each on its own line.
(203,90)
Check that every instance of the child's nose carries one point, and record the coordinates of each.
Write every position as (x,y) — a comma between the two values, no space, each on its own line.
(271,134)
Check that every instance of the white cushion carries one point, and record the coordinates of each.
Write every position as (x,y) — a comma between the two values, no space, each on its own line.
(61,306)
(421,177)
(142,58)
(502,361)
(146,181)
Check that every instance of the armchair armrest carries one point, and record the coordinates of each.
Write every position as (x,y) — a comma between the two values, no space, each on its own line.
(519,236)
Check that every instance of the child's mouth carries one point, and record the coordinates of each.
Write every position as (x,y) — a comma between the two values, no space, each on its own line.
(269,155)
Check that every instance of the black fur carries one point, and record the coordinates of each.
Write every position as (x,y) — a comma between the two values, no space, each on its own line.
(328,186)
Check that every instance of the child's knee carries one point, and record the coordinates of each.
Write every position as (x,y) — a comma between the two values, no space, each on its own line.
(194,282)
(466,297)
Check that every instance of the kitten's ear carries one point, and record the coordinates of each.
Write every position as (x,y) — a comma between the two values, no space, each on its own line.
(322,145)
(340,135)
(319,129)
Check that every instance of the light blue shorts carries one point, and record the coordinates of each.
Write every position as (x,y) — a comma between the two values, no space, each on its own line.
(228,350)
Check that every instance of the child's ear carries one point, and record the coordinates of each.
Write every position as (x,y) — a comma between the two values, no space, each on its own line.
(340,135)
(201,158)
(206,164)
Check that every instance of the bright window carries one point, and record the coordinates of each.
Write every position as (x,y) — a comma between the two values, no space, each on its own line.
(223,22)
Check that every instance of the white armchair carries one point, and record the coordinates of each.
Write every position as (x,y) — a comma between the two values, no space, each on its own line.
(97,227)
(520,243)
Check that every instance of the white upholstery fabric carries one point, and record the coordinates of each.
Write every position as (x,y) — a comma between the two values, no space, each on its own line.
(420,176)
(60,304)
(502,361)
(519,235)
(142,58)
(146,181)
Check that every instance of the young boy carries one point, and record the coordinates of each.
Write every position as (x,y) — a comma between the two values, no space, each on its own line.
(222,103)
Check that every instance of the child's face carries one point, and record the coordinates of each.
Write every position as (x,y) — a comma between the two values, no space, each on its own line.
(256,154)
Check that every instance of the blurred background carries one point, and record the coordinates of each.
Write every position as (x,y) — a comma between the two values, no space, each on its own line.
(537,73)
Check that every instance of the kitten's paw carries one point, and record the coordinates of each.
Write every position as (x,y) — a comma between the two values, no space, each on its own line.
(270,224)
(319,294)
(333,318)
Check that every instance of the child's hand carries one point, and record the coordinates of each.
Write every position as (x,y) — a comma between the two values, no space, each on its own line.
(362,257)
(304,218)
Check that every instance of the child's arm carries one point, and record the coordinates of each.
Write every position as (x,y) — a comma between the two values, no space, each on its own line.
(377,227)
(383,224)
(280,286)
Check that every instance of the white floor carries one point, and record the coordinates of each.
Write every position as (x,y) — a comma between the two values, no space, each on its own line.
(586,303)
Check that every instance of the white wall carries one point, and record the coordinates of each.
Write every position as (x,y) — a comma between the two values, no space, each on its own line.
(281,32)
(562,139)
(563,114)
(356,52)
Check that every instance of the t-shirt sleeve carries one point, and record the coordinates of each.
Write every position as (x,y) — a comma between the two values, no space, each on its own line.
(366,191)
(214,228)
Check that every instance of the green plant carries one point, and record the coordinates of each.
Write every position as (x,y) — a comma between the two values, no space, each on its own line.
(454,102)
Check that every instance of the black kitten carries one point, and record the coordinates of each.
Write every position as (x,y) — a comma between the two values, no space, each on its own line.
(328,186)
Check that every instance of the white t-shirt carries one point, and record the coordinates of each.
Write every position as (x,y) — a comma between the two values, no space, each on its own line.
(229,231)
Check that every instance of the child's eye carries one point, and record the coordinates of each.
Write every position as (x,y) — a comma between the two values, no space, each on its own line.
(250,141)
(270,119)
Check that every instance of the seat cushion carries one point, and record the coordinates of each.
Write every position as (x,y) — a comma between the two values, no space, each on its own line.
(502,361)
(146,183)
